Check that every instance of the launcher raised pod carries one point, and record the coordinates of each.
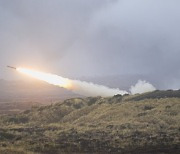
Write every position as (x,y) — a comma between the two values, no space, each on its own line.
(11,67)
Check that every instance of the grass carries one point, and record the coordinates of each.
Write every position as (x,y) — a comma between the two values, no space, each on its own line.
(116,124)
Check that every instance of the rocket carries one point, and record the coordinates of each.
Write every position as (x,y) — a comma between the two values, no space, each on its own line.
(11,67)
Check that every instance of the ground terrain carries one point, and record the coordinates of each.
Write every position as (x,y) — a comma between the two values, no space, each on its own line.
(146,123)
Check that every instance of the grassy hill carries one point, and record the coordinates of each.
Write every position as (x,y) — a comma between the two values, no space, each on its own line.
(146,123)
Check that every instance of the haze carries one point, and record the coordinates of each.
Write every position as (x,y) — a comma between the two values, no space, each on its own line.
(93,39)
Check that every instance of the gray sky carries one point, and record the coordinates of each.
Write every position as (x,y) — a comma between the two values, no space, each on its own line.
(75,38)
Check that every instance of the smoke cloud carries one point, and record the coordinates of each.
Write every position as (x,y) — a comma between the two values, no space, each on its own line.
(142,87)
(91,89)
(93,38)
(77,86)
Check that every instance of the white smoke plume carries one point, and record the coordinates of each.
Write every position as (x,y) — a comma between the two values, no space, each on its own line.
(142,87)
(79,87)
(85,88)
(91,89)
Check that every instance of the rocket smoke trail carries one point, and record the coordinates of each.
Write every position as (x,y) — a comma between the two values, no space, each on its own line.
(77,86)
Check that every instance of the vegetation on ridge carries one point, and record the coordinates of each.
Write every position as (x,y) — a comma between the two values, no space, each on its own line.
(126,124)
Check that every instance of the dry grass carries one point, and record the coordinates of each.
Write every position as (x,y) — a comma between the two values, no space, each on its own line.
(117,124)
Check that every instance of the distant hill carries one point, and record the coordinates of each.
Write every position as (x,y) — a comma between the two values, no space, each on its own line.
(137,124)
(32,91)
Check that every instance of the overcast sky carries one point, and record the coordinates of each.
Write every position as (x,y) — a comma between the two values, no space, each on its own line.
(75,38)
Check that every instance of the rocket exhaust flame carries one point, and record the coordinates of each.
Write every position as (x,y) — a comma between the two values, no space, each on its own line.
(80,87)
(47,77)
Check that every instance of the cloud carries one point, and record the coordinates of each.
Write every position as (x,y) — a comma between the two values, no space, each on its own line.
(142,87)
(93,38)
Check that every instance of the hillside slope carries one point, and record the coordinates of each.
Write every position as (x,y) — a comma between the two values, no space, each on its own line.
(32,91)
(119,124)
